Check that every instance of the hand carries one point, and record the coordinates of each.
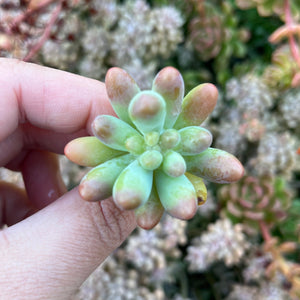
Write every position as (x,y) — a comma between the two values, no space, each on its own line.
(50,253)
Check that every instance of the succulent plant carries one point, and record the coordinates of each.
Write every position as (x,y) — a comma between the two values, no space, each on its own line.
(279,75)
(206,32)
(152,157)
(255,199)
(215,33)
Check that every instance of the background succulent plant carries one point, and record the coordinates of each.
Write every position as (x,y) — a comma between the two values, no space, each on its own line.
(142,157)
(253,200)
(279,75)
(206,32)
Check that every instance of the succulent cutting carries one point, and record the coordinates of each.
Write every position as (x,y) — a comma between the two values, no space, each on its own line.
(154,156)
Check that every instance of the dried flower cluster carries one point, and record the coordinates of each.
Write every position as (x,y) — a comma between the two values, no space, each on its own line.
(276,154)
(222,241)
(266,291)
(111,281)
(290,108)
(248,109)
(148,250)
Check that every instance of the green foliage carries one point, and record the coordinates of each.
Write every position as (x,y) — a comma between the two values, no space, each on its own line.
(289,230)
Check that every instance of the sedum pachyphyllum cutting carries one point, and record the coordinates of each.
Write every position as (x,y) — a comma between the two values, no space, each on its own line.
(154,156)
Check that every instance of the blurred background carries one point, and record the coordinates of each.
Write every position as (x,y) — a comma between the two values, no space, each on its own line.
(244,242)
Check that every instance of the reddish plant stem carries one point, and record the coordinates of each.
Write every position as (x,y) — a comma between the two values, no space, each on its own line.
(45,36)
(265,231)
(19,19)
(292,42)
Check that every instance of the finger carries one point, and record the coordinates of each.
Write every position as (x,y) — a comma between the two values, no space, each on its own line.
(48,99)
(27,137)
(49,255)
(14,205)
(42,178)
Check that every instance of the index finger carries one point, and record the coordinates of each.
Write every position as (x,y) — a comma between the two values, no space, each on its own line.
(47,100)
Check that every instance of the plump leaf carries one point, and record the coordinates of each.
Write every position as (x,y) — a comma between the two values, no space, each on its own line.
(149,214)
(147,110)
(169,83)
(194,140)
(151,159)
(89,151)
(133,186)
(199,187)
(97,184)
(173,164)
(177,195)
(121,88)
(114,132)
(169,139)
(215,165)
(197,105)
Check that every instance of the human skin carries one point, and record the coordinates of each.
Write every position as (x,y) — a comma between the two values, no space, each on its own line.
(54,239)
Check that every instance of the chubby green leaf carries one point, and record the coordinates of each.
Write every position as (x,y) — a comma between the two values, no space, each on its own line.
(151,159)
(121,88)
(173,164)
(215,165)
(147,110)
(169,139)
(194,140)
(177,195)
(97,184)
(89,151)
(133,186)
(169,84)
(149,214)
(114,132)
(197,105)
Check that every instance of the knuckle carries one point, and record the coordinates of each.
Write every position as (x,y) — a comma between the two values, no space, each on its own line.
(112,224)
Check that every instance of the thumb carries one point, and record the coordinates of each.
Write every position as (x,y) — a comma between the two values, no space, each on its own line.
(50,254)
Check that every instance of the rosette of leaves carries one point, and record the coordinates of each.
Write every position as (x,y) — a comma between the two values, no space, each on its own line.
(253,200)
(152,157)
(215,33)
(206,32)
(279,75)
